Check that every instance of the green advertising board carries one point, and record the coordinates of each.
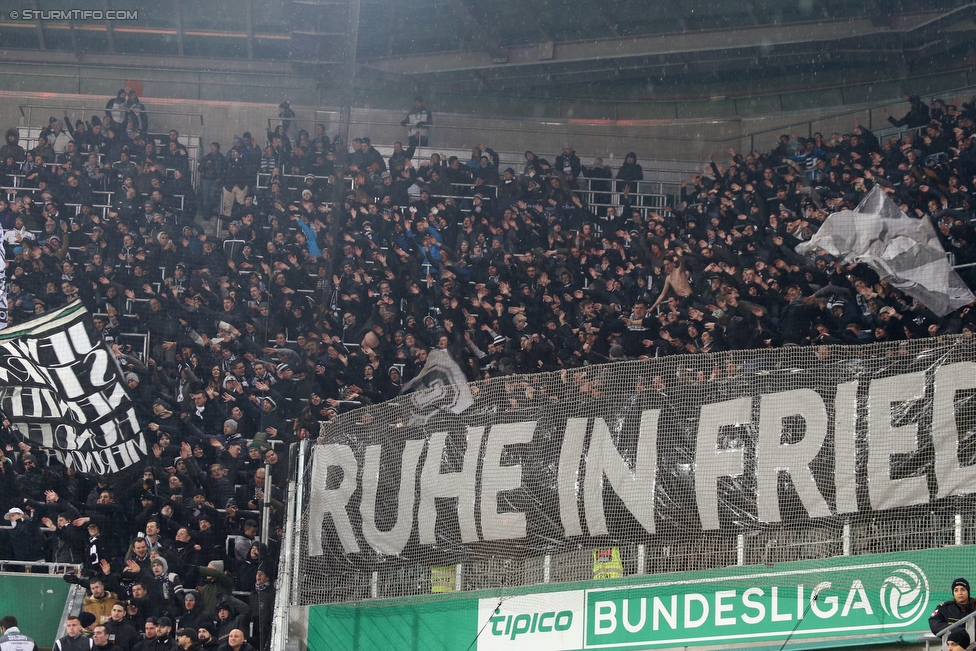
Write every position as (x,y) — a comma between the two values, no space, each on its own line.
(830,599)
(37,601)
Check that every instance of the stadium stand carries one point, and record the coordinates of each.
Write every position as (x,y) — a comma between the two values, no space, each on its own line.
(255,291)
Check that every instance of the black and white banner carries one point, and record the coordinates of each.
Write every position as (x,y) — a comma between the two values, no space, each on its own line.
(441,386)
(667,447)
(63,388)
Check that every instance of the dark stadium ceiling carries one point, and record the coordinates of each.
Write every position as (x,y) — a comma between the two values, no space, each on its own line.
(516,48)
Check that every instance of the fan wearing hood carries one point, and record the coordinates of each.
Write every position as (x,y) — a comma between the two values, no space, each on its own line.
(193,615)
(12,147)
(630,171)
(248,568)
(229,618)
(164,586)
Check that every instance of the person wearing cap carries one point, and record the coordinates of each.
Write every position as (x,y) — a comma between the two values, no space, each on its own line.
(34,481)
(165,638)
(950,612)
(186,639)
(25,538)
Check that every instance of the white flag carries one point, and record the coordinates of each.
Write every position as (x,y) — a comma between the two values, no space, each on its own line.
(904,251)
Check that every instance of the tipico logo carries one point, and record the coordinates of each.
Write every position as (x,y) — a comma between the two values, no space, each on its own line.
(904,593)
(545,622)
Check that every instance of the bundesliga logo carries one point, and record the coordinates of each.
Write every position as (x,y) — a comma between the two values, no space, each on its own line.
(903,594)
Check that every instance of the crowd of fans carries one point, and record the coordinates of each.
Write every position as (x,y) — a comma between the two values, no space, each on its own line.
(340,271)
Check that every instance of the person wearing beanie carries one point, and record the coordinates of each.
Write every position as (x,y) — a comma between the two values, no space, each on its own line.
(87,619)
(205,637)
(262,604)
(165,585)
(952,611)
(957,640)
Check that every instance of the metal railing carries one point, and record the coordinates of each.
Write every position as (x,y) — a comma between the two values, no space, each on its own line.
(27,111)
(48,567)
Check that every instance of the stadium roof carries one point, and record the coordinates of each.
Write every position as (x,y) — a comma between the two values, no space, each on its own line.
(550,47)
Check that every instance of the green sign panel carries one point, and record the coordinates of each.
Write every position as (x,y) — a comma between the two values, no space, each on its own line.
(879,597)
(832,598)
(37,601)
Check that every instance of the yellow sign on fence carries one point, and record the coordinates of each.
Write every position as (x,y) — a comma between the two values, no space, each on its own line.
(443,578)
(607,563)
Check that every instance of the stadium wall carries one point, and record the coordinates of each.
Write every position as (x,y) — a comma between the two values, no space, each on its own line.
(659,143)
(268,81)
(656,137)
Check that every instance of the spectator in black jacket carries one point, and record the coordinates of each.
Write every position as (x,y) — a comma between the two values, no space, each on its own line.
(950,612)
(917,116)
(262,607)
(228,619)
(120,632)
(25,539)
(193,614)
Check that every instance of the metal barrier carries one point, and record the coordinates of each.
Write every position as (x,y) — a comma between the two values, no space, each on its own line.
(28,566)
